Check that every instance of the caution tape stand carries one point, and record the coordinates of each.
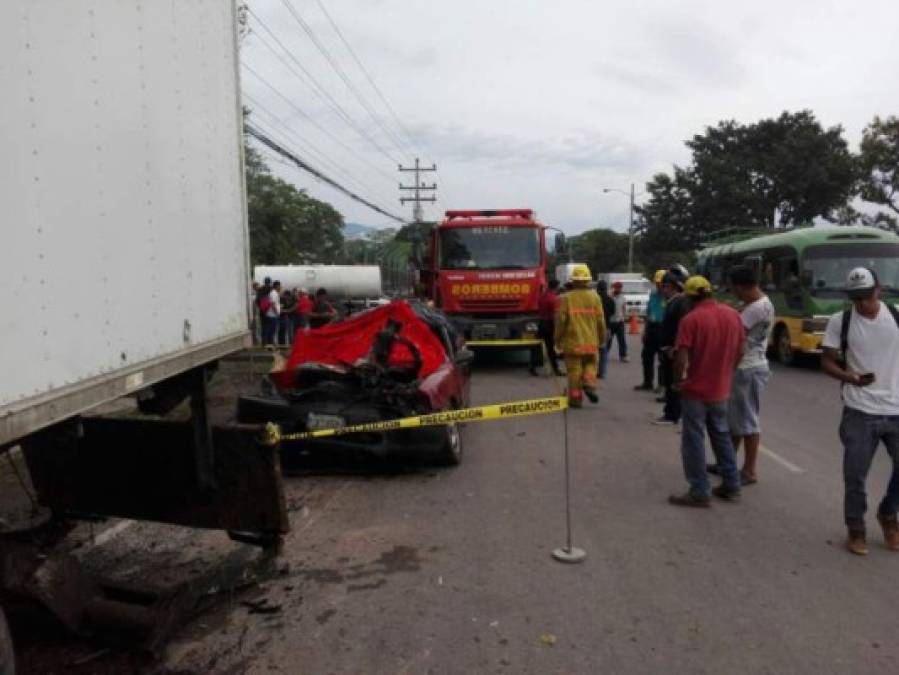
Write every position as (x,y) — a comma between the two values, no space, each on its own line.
(569,553)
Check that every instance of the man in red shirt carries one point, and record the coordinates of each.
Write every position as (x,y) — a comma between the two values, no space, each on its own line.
(546,314)
(304,308)
(709,347)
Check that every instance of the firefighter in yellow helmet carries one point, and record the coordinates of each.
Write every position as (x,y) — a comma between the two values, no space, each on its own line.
(580,330)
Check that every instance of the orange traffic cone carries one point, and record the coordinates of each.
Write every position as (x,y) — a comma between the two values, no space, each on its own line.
(634,328)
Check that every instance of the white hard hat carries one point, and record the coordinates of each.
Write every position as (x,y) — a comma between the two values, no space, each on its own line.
(860,279)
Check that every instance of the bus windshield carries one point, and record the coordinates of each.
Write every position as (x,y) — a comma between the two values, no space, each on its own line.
(489,248)
(830,264)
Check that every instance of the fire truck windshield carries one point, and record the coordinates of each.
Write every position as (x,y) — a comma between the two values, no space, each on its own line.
(489,248)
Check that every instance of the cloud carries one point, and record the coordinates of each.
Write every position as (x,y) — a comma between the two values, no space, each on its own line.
(582,151)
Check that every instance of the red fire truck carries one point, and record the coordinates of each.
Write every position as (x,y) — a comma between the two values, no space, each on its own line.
(486,271)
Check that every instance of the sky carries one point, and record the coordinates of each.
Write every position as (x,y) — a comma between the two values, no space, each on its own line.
(539,104)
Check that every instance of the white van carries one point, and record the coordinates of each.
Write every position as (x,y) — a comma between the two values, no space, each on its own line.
(635,288)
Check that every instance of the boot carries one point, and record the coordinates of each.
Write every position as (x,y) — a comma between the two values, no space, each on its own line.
(856,542)
(890,530)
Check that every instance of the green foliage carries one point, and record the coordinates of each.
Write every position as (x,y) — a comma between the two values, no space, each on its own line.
(773,173)
(603,250)
(286,224)
(879,168)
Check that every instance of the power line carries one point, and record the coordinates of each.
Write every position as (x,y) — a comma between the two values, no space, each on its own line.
(402,127)
(309,80)
(342,74)
(305,145)
(305,166)
(311,121)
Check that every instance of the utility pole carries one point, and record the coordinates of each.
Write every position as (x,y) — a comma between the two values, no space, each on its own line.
(418,188)
(630,242)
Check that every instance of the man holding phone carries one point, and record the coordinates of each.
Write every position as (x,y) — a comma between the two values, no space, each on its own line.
(861,349)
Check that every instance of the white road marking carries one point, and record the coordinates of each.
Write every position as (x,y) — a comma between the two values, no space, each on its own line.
(788,465)
(111,533)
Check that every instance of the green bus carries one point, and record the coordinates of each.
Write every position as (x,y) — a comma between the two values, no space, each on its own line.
(803,272)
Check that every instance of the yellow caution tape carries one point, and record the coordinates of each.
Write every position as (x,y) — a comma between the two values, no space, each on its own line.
(537,406)
(521,342)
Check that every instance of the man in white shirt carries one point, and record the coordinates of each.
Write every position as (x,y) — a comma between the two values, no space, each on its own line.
(757,314)
(616,322)
(271,315)
(861,349)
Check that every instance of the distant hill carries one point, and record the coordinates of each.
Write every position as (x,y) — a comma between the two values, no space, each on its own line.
(357,230)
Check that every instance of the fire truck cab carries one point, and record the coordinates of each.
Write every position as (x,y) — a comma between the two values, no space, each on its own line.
(486,270)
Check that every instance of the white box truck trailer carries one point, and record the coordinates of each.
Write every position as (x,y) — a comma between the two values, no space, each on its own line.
(125,255)
(125,261)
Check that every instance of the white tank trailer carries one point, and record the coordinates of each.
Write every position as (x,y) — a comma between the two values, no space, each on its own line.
(342,282)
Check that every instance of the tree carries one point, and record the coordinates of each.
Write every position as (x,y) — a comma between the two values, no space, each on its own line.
(286,224)
(603,250)
(774,173)
(879,169)
(778,172)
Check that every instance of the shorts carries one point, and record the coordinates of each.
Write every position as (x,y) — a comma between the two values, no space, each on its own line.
(745,401)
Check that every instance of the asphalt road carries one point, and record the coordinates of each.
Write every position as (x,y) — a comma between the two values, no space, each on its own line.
(449,571)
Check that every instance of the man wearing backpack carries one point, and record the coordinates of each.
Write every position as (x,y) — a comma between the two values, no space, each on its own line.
(861,349)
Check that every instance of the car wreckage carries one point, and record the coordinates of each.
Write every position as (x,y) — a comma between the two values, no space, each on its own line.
(394,361)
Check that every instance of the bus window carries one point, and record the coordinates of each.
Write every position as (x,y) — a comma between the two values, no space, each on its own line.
(754,262)
(767,278)
(790,283)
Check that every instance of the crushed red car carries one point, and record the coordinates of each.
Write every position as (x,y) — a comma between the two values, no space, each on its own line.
(394,361)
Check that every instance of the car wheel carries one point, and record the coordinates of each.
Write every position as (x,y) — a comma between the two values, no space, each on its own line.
(451,450)
(7,658)
(783,347)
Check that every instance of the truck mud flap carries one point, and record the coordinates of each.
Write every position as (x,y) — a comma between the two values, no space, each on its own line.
(146,469)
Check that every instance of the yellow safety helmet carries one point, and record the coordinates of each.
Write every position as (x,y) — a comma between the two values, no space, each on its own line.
(659,275)
(697,285)
(581,273)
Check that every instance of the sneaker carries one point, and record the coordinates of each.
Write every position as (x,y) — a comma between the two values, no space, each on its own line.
(689,499)
(591,394)
(890,527)
(664,422)
(643,387)
(727,492)
(856,543)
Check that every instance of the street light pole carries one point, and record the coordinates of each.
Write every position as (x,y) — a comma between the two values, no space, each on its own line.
(630,243)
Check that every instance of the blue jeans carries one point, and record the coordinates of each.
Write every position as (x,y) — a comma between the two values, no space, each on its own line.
(616,331)
(603,361)
(861,433)
(269,329)
(698,418)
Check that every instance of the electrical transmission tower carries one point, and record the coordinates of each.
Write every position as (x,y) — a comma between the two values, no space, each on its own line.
(421,192)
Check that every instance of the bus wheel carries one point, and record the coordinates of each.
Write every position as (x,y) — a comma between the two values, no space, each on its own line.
(783,347)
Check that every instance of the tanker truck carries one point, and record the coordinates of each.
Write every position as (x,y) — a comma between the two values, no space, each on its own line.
(125,274)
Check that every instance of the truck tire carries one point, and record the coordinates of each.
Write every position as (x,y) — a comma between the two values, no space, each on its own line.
(7,657)
(451,451)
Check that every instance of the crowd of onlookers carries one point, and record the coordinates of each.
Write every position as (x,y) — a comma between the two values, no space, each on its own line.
(713,368)
(279,313)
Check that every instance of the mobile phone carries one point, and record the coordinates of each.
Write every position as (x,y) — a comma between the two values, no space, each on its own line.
(866,379)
